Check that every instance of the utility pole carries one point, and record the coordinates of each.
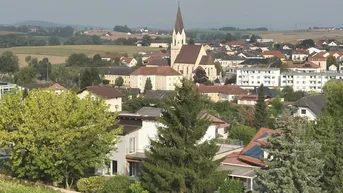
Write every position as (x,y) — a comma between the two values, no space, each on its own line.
(47,72)
(79,80)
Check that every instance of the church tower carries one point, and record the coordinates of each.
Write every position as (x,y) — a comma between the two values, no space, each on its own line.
(179,37)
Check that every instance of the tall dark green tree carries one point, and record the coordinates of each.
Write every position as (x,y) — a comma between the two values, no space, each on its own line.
(293,163)
(177,160)
(90,77)
(261,115)
(328,131)
(148,85)
(200,76)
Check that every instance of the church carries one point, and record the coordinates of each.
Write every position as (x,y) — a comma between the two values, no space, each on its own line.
(187,58)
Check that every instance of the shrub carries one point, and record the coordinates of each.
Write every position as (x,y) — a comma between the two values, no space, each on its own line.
(117,184)
(137,188)
(92,184)
(242,133)
(232,186)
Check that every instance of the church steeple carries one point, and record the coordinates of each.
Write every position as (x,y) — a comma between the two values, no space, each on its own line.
(179,37)
(179,22)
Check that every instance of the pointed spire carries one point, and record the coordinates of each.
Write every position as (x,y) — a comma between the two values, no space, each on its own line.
(179,22)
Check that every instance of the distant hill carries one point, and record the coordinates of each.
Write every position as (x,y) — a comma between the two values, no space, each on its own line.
(47,24)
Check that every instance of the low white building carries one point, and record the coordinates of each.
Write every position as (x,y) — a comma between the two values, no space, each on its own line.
(128,61)
(112,96)
(254,77)
(159,45)
(138,129)
(300,55)
(230,62)
(6,87)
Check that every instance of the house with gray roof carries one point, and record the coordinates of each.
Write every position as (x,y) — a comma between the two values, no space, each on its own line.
(310,107)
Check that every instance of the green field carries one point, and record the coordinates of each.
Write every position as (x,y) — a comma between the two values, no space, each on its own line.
(11,187)
(68,50)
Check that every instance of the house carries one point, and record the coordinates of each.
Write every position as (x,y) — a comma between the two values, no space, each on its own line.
(235,44)
(229,61)
(128,61)
(112,96)
(333,68)
(273,54)
(162,78)
(300,55)
(138,129)
(156,61)
(242,165)
(221,92)
(310,106)
(158,94)
(56,87)
(112,73)
(108,57)
(306,67)
(186,58)
(155,54)
(319,59)
(314,50)
(6,87)
(159,44)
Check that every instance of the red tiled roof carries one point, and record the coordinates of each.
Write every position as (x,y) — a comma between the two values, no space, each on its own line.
(248,97)
(318,57)
(104,91)
(206,60)
(232,158)
(127,60)
(300,51)
(275,53)
(160,71)
(188,54)
(254,142)
(224,89)
(307,65)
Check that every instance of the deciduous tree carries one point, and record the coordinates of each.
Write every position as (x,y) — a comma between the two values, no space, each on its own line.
(119,81)
(55,137)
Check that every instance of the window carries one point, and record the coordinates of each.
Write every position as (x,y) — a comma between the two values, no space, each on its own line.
(133,169)
(303,111)
(114,166)
(132,144)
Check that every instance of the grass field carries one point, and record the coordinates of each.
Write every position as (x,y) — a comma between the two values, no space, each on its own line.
(58,54)
(11,187)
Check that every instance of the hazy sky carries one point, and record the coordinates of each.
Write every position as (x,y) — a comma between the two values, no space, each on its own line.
(274,14)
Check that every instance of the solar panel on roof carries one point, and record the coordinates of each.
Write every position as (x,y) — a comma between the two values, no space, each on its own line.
(255,152)
(262,136)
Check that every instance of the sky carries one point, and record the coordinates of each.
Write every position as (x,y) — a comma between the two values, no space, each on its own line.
(274,14)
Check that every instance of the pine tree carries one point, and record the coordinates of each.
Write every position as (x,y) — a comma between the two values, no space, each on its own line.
(293,163)
(148,85)
(261,116)
(176,161)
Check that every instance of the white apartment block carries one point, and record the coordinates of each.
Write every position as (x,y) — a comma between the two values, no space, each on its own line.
(254,77)
(308,81)
(301,79)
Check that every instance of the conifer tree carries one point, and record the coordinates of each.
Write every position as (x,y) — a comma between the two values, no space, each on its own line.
(148,85)
(293,163)
(261,116)
(176,160)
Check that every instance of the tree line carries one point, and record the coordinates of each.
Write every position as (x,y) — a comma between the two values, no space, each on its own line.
(238,29)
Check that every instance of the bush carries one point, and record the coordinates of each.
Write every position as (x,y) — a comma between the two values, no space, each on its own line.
(137,188)
(117,184)
(242,133)
(232,186)
(92,184)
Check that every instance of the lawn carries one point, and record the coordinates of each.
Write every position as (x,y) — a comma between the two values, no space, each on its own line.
(58,54)
(11,187)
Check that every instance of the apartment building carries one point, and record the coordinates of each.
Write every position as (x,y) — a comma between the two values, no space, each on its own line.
(254,77)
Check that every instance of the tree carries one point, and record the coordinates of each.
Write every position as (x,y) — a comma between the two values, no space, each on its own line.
(242,133)
(77,60)
(44,69)
(305,44)
(119,28)
(220,71)
(148,85)
(331,60)
(119,82)
(146,40)
(25,75)
(9,62)
(55,137)
(328,132)
(54,41)
(229,37)
(118,184)
(253,39)
(293,163)
(200,76)
(260,119)
(137,188)
(191,41)
(89,77)
(25,93)
(177,160)
(232,186)
(96,58)
(289,94)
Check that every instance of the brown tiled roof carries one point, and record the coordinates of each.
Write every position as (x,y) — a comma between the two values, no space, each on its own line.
(103,91)
(161,71)
(126,60)
(224,89)
(206,60)
(318,57)
(248,97)
(300,51)
(188,54)
(307,65)
(57,86)
(179,22)
(275,53)
(232,158)
(158,61)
